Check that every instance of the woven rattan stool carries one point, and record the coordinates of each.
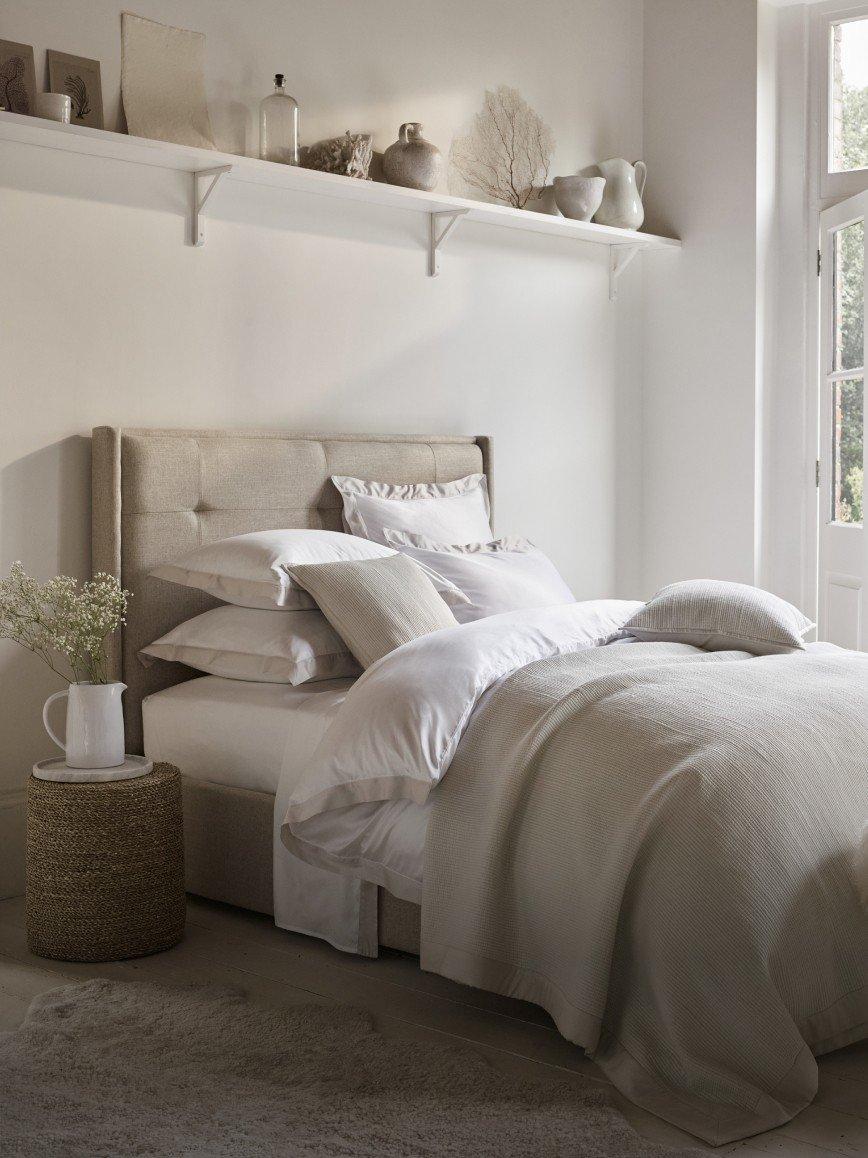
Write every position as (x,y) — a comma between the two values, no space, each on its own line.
(105,867)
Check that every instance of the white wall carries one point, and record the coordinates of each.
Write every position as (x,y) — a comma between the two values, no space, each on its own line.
(791,427)
(316,314)
(700,381)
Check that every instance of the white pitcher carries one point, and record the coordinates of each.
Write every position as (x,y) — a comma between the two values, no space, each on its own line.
(94,725)
(622,198)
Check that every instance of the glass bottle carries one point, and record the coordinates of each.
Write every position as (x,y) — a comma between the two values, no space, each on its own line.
(278,126)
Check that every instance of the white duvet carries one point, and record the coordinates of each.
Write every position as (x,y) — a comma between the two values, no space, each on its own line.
(403,720)
(710,804)
(361,808)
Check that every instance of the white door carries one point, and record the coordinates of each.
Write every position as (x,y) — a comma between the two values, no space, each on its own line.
(843,543)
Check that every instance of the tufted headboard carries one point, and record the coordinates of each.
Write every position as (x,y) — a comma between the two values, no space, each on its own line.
(159,493)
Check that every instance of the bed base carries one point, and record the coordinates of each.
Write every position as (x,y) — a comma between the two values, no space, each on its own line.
(158,493)
(228,857)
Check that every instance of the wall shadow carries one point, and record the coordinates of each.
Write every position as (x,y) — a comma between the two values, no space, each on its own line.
(45,509)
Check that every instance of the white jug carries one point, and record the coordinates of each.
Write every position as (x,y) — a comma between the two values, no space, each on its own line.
(94,725)
(622,198)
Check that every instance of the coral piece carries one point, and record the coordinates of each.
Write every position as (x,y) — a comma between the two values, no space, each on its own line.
(349,155)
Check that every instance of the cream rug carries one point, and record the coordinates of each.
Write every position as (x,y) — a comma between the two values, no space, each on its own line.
(110,1068)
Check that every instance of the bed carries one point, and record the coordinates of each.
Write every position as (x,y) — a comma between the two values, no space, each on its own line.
(655,840)
(159,492)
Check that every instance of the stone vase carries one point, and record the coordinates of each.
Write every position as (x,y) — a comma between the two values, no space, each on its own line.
(412,161)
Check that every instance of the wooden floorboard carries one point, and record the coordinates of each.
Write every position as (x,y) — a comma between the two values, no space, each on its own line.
(390,966)
(225,946)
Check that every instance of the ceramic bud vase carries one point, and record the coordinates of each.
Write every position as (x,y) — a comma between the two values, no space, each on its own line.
(412,161)
(622,197)
(94,725)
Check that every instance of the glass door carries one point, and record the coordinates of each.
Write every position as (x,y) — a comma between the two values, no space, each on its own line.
(843,544)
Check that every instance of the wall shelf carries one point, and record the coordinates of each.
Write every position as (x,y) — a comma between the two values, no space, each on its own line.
(207,168)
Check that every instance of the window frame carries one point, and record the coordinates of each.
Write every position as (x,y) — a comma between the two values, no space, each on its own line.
(822,191)
(831,186)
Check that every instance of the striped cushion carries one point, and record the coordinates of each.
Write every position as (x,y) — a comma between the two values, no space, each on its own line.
(375,605)
(721,616)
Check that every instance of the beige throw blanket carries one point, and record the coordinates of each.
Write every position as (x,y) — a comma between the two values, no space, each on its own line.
(657,845)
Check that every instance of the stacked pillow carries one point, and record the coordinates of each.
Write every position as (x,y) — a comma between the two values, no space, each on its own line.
(303,605)
(247,643)
(251,570)
(445,527)
(482,579)
(450,512)
(274,630)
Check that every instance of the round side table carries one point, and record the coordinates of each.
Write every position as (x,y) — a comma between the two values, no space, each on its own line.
(105,867)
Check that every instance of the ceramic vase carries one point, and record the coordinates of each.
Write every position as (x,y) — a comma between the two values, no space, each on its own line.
(94,725)
(622,198)
(54,106)
(579,197)
(412,161)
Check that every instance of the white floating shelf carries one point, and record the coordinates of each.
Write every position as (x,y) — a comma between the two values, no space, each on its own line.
(623,243)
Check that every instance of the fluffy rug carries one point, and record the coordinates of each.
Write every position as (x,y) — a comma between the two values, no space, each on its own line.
(109,1069)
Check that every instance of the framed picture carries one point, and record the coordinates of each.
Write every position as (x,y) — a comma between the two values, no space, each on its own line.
(17,78)
(79,78)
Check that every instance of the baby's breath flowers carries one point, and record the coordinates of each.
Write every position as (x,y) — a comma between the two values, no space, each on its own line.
(63,616)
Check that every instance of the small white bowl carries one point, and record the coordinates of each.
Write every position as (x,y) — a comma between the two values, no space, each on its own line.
(579,198)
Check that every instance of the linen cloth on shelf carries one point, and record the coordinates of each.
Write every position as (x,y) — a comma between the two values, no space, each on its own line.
(163,82)
(658,845)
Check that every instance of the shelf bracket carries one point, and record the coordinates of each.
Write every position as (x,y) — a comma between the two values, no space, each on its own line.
(620,257)
(200,198)
(437,236)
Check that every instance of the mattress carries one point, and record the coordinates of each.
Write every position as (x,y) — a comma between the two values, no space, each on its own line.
(257,736)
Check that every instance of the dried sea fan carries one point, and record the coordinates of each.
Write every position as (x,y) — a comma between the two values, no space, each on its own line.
(507,151)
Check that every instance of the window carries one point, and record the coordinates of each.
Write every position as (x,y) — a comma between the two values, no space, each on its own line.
(846,379)
(839,81)
(848,95)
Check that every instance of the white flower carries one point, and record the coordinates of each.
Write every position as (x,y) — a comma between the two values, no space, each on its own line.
(64,616)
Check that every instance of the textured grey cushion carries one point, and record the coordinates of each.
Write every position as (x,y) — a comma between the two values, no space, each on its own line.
(375,605)
(721,616)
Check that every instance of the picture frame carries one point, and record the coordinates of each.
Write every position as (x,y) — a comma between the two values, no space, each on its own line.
(17,78)
(79,78)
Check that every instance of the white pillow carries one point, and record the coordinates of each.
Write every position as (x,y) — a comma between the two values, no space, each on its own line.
(501,575)
(721,616)
(451,512)
(269,647)
(251,570)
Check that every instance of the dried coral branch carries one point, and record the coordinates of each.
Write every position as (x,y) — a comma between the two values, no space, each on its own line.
(507,151)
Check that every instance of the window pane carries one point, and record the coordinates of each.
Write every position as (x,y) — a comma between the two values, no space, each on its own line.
(848,462)
(848,92)
(848,305)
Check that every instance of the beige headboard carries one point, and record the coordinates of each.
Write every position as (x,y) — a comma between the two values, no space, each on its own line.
(159,493)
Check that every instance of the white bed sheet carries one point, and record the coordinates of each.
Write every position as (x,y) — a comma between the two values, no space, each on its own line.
(238,733)
(261,737)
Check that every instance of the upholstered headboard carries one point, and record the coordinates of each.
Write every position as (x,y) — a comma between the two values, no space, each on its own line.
(159,493)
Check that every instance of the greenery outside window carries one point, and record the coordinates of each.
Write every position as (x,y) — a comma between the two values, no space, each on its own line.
(848,95)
